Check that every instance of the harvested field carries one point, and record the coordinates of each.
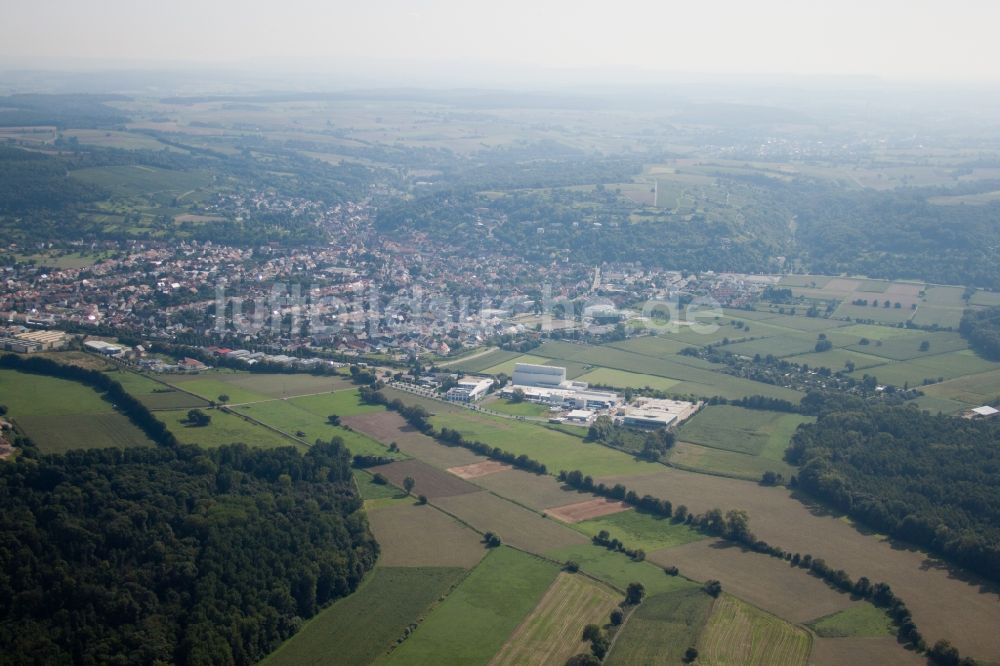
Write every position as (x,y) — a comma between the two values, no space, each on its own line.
(476,470)
(738,633)
(551,634)
(532,490)
(662,628)
(883,651)
(516,525)
(422,536)
(388,427)
(959,608)
(595,508)
(430,481)
(772,584)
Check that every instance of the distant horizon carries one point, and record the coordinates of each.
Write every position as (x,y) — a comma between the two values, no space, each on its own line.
(886,40)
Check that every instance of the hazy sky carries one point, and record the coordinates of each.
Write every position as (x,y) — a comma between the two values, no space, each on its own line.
(910,39)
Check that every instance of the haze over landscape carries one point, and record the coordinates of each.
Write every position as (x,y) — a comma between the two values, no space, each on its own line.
(528,333)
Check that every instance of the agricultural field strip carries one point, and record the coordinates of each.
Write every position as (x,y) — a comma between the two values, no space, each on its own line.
(737,632)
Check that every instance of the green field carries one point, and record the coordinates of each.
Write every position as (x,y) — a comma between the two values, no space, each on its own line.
(697,458)
(211,387)
(754,432)
(496,356)
(861,620)
(289,417)
(640,530)
(369,490)
(738,633)
(506,366)
(134,180)
(155,395)
(551,634)
(363,626)
(619,570)
(474,621)
(342,403)
(223,429)
(60,415)
(662,628)
(516,408)
(622,379)
(556,449)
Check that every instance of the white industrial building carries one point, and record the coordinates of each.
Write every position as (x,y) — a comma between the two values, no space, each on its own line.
(469,389)
(656,413)
(547,384)
(102,347)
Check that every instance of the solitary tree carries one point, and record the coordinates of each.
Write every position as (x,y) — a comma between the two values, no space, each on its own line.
(333,420)
(690,655)
(591,631)
(223,398)
(634,593)
(408,484)
(617,616)
(198,418)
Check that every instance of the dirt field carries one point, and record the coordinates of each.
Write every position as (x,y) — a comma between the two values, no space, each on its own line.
(430,481)
(476,470)
(551,634)
(422,536)
(531,490)
(388,427)
(516,525)
(884,651)
(789,593)
(943,604)
(594,508)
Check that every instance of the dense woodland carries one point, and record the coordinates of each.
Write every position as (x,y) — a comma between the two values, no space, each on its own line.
(930,480)
(982,329)
(173,555)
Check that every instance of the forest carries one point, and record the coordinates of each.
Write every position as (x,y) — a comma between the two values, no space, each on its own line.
(982,329)
(929,480)
(173,555)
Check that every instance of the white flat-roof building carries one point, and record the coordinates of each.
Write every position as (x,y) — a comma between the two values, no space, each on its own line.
(985,410)
(102,347)
(567,398)
(656,413)
(529,374)
(469,389)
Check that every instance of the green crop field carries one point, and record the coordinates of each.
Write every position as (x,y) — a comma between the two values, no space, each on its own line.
(650,345)
(341,403)
(738,633)
(58,434)
(861,620)
(137,179)
(837,359)
(288,417)
(779,345)
(506,365)
(754,432)
(551,634)
(211,387)
(905,348)
(515,408)
(480,363)
(223,429)
(60,415)
(556,449)
(641,530)
(697,458)
(474,621)
(619,570)
(972,390)
(369,490)
(662,628)
(26,394)
(622,379)
(365,625)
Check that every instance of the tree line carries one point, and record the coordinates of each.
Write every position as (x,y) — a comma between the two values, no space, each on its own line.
(929,480)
